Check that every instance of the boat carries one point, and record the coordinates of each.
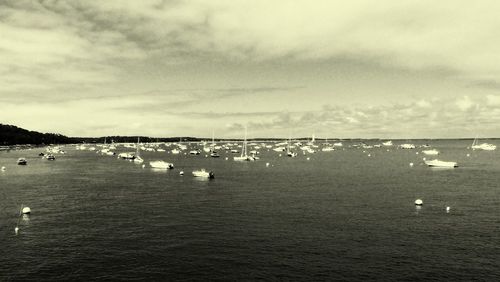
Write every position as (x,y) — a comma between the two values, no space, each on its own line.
(338,144)
(438,163)
(288,151)
(137,156)
(407,146)
(483,146)
(328,149)
(203,173)
(22,161)
(194,152)
(214,154)
(50,157)
(126,156)
(175,151)
(387,143)
(244,156)
(161,165)
(432,152)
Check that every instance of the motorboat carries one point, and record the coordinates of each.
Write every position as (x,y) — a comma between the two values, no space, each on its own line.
(214,154)
(407,146)
(22,161)
(328,149)
(204,174)
(432,152)
(161,165)
(387,143)
(126,156)
(50,157)
(438,163)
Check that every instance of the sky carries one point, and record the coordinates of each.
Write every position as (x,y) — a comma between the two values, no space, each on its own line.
(338,69)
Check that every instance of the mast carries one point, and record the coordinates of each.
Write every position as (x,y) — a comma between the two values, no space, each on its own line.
(244,149)
(137,147)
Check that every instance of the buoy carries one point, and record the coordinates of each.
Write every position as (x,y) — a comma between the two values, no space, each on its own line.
(423,159)
(416,153)
(16,229)
(419,202)
(411,164)
(280,155)
(308,158)
(26,210)
(369,155)
(267,164)
(227,158)
(468,155)
(181,172)
(3,168)
(143,166)
(447,209)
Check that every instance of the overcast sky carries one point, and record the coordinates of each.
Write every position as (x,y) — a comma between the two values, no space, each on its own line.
(388,69)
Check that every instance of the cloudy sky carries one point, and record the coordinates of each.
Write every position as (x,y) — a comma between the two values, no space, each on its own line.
(387,69)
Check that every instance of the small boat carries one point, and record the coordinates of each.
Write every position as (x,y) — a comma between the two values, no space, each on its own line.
(244,156)
(50,157)
(126,156)
(194,152)
(438,163)
(22,161)
(387,143)
(175,151)
(328,149)
(203,173)
(41,154)
(214,154)
(137,156)
(161,165)
(432,152)
(407,146)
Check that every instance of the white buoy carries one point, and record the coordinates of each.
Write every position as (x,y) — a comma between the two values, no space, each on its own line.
(227,158)
(181,172)
(416,153)
(419,202)
(280,155)
(308,158)
(16,230)
(411,164)
(143,166)
(267,164)
(447,209)
(423,159)
(468,155)
(3,168)
(369,155)
(26,210)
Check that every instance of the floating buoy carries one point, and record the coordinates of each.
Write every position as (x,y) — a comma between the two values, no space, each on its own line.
(16,229)
(447,209)
(181,172)
(416,153)
(143,166)
(227,158)
(267,164)
(280,155)
(369,155)
(3,168)
(423,159)
(308,158)
(26,210)
(411,164)
(468,155)
(419,202)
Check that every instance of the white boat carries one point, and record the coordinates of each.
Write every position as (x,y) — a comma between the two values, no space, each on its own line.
(137,156)
(22,161)
(432,152)
(194,152)
(387,143)
(407,146)
(438,163)
(244,155)
(338,144)
(126,156)
(175,151)
(161,165)
(203,173)
(483,146)
(328,149)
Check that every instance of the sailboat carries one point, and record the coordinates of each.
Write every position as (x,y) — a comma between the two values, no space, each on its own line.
(483,146)
(137,157)
(244,156)
(213,153)
(288,151)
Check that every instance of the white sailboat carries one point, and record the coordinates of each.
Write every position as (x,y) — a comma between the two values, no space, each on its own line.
(137,156)
(288,151)
(203,173)
(483,146)
(244,156)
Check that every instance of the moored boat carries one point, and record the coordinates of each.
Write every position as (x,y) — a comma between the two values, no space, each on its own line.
(438,163)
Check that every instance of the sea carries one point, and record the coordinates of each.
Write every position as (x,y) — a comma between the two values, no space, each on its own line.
(346,215)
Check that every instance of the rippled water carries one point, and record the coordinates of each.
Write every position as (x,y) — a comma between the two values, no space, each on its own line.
(339,216)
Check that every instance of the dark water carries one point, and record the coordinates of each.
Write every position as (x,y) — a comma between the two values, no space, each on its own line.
(339,216)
